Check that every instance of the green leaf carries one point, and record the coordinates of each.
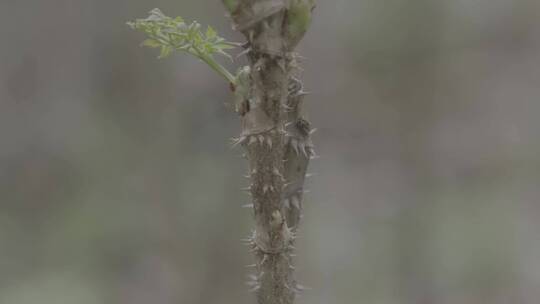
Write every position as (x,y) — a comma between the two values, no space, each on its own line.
(165,52)
(156,14)
(151,43)
(174,34)
(225,46)
(210,33)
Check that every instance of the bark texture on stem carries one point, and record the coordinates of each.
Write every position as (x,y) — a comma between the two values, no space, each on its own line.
(276,137)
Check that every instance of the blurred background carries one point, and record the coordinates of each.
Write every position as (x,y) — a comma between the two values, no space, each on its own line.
(118,185)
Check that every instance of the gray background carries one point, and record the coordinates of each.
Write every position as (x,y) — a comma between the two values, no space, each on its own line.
(117,184)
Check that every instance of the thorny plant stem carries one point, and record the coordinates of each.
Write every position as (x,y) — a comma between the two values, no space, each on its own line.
(276,137)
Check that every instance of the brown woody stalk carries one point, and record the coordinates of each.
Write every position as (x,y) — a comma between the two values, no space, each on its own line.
(276,137)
